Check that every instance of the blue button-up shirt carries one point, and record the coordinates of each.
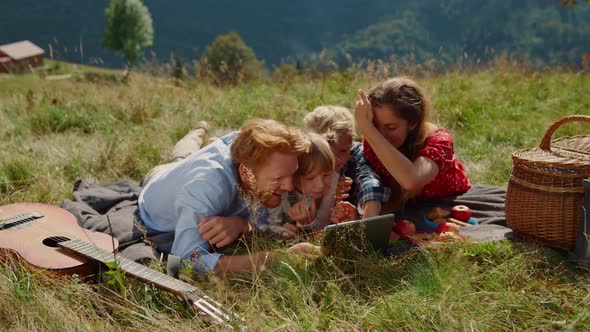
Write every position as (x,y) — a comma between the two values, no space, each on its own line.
(202,185)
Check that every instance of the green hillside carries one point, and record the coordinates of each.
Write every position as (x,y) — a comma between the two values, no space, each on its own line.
(542,31)
(92,126)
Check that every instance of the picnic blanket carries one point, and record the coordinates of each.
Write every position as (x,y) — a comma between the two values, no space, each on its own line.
(94,205)
(486,204)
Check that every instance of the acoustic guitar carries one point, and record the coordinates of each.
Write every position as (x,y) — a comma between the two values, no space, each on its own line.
(48,237)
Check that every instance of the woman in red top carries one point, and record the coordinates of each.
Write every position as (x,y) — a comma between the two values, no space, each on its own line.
(403,147)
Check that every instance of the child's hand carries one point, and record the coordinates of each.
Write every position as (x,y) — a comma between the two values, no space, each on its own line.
(343,211)
(363,111)
(343,187)
(303,212)
(289,231)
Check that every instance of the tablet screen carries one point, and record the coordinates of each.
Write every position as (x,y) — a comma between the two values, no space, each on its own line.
(358,236)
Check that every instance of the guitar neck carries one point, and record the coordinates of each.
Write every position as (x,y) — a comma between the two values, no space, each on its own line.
(188,292)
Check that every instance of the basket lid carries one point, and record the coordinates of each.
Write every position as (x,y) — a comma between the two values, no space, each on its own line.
(563,155)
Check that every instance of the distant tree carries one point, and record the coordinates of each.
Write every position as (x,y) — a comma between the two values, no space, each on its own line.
(177,66)
(129,29)
(229,60)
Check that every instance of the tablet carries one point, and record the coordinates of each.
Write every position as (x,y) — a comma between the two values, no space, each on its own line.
(358,236)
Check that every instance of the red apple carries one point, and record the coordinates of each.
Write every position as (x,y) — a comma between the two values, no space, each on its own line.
(404,228)
(447,227)
(461,212)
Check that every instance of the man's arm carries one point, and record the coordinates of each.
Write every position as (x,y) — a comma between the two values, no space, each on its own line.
(211,193)
(242,263)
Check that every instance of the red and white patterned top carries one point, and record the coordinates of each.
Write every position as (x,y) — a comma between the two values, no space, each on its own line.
(451,178)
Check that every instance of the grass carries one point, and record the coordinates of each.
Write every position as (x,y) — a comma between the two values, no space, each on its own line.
(94,126)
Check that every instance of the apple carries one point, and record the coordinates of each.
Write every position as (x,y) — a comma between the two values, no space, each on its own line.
(436,213)
(447,227)
(461,212)
(404,228)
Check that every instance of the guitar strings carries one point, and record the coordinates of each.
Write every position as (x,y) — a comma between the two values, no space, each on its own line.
(41,234)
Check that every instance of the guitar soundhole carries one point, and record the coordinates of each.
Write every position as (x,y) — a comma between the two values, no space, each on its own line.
(54,240)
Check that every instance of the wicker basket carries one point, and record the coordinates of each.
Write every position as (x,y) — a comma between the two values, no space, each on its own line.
(545,192)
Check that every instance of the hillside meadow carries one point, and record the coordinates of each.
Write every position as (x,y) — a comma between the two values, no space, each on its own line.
(93,126)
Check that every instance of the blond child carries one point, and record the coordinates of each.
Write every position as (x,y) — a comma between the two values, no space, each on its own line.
(310,205)
(367,192)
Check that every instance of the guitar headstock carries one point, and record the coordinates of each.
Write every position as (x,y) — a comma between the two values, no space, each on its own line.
(210,308)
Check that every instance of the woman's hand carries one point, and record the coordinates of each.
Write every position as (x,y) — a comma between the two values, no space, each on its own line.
(303,212)
(343,211)
(342,188)
(363,112)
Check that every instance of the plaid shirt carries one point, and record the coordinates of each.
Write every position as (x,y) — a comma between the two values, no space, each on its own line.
(367,185)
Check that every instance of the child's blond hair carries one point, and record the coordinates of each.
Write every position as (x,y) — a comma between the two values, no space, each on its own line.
(332,122)
(319,157)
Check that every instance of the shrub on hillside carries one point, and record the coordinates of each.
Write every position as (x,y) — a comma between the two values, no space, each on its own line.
(55,119)
(229,61)
(285,72)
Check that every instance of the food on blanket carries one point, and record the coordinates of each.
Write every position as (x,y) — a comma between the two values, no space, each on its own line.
(393,236)
(404,228)
(461,212)
(447,227)
(458,222)
(440,220)
(436,213)
(420,238)
(449,236)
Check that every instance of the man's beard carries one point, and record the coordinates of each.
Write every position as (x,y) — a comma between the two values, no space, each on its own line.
(251,188)
(253,196)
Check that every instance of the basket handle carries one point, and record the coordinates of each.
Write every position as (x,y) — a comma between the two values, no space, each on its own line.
(546,141)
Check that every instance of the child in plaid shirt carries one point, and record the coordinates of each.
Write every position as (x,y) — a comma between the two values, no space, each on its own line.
(367,192)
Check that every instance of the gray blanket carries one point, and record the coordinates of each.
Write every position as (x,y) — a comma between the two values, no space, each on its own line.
(486,204)
(94,205)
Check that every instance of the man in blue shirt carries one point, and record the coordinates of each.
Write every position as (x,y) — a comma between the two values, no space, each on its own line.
(217,193)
